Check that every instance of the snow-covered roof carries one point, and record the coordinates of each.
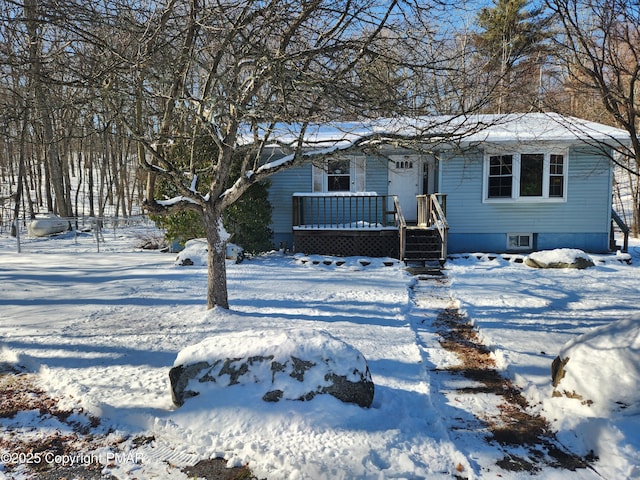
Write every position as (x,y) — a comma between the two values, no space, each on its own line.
(526,127)
(540,127)
(523,128)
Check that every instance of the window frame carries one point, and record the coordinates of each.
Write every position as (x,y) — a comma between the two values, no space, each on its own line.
(520,248)
(338,178)
(357,175)
(547,174)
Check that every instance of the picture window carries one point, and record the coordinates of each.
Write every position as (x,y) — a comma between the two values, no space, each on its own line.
(525,176)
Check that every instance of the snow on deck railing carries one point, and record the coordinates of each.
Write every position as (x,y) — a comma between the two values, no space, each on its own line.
(343,211)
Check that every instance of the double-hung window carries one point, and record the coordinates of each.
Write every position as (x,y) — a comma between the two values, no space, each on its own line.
(500,176)
(525,176)
(339,174)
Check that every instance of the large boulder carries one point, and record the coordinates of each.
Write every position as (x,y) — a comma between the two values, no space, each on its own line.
(559,258)
(601,368)
(294,364)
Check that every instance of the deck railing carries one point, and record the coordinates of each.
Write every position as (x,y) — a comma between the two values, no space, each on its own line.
(402,226)
(364,211)
(357,211)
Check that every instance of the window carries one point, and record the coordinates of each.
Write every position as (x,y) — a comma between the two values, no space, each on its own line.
(519,241)
(527,176)
(500,176)
(339,174)
(556,176)
(531,170)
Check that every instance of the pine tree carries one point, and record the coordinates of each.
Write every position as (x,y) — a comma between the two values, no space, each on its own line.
(247,220)
(512,41)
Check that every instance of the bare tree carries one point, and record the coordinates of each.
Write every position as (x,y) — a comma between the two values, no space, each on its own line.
(238,73)
(601,57)
(36,58)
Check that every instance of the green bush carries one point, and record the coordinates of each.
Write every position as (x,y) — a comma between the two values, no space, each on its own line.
(247,220)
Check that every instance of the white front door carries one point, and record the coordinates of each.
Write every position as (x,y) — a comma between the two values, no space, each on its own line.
(405,181)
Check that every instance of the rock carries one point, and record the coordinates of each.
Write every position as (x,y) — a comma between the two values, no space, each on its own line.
(560,258)
(557,370)
(196,252)
(179,377)
(291,365)
(604,368)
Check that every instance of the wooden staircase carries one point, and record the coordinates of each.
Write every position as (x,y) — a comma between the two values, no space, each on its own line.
(622,226)
(422,245)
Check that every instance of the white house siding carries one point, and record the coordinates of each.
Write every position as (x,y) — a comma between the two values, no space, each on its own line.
(580,222)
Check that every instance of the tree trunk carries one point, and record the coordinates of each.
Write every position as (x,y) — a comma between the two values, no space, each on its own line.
(56,177)
(217,282)
(20,182)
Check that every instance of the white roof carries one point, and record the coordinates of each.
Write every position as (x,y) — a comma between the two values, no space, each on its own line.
(526,127)
(466,130)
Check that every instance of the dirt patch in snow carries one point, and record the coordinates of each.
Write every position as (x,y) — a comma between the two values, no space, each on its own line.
(43,445)
(514,425)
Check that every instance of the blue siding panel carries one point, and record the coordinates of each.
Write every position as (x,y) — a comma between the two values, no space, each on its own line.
(283,185)
(377,175)
(497,242)
(580,222)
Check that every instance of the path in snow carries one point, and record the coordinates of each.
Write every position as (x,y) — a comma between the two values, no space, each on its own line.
(103,330)
(484,414)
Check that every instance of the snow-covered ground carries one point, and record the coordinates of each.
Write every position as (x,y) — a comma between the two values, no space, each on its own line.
(103,329)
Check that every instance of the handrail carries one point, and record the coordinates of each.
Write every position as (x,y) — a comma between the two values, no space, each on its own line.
(431,214)
(439,221)
(401,223)
(623,227)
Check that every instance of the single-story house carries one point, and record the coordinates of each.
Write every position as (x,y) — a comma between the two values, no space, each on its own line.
(426,188)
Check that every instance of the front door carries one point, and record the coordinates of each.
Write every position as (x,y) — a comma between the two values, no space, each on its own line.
(405,181)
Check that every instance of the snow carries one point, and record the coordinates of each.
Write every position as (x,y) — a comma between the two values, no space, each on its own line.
(103,330)
(259,350)
(335,194)
(333,137)
(558,256)
(603,368)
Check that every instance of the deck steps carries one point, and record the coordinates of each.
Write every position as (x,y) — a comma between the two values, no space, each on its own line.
(422,245)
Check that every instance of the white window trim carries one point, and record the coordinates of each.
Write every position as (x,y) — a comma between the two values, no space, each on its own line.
(520,248)
(515,186)
(319,181)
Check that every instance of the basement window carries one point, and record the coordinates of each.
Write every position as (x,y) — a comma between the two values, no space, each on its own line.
(519,241)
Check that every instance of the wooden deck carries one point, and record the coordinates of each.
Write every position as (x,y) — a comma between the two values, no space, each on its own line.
(369,225)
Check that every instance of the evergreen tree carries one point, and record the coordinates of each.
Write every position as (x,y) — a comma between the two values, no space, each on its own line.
(512,42)
(247,220)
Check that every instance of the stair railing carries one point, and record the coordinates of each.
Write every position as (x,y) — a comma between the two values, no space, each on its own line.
(623,227)
(401,223)
(437,207)
(431,214)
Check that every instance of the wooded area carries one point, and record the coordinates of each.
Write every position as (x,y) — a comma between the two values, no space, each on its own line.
(96,98)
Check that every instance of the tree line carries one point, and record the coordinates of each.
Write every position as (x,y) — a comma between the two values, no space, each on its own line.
(103,104)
